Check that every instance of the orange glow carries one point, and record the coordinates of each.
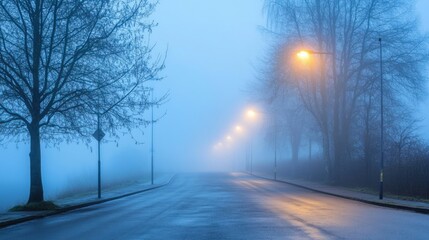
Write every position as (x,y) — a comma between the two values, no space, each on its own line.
(251,114)
(303,55)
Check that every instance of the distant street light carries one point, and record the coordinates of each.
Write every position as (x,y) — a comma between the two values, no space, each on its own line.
(252,115)
(238,129)
(275,148)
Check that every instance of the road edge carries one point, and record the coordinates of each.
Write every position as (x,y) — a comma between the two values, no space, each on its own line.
(372,202)
(44,214)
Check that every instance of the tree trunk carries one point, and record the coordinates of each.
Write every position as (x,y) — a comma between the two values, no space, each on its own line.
(36,187)
(327,156)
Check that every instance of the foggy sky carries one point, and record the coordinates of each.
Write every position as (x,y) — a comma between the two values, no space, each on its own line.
(214,48)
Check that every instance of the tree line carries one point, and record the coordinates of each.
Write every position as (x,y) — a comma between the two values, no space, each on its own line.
(332,95)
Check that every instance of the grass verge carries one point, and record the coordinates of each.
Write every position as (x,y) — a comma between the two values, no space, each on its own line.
(41,206)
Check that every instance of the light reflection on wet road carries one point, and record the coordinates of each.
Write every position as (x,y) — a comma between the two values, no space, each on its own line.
(227,206)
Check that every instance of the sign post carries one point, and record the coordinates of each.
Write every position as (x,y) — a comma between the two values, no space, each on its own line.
(98,135)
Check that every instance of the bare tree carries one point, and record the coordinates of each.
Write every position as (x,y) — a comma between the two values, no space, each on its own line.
(62,60)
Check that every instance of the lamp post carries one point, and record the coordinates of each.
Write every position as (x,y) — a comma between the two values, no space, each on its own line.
(275,154)
(305,55)
(251,114)
(382,121)
(275,147)
(239,130)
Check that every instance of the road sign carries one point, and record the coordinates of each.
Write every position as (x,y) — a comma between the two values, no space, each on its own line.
(98,134)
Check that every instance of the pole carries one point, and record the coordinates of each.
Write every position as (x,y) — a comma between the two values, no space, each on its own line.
(247,157)
(99,158)
(251,157)
(152,143)
(275,156)
(275,148)
(382,121)
(246,162)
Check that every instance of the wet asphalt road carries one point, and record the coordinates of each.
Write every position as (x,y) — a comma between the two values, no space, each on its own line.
(227,206)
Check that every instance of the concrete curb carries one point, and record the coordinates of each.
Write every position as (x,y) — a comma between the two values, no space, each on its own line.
(44,214)
(372,202)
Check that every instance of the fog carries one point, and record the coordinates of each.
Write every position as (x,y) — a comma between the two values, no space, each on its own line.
(213,48)
(214,51)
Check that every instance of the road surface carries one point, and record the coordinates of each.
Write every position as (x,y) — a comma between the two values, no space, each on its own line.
(227,206)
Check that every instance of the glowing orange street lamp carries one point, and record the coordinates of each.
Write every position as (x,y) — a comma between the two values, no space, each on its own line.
(251,114)
(304,54)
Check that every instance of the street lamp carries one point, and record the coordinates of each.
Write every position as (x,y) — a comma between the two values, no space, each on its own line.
(304,55)
(238,129)
(251,114)
(275,147)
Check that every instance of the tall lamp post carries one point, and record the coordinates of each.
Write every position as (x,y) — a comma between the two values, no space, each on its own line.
(305,55)
(275,150)
(251,114)
(382,121)
(239,130)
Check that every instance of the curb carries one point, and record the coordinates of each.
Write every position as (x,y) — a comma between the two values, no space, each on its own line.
(377,203)
(8,223)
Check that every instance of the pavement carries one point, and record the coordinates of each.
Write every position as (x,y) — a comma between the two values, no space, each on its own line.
(89,198)
(226,206)
(347,193)
(84,199)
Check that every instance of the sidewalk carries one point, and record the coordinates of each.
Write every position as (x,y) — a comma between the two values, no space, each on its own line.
(83,200)
(416,206)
